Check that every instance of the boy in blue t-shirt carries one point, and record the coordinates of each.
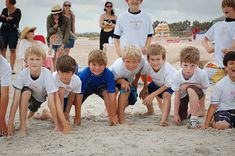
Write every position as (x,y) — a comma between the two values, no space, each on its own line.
(99,80)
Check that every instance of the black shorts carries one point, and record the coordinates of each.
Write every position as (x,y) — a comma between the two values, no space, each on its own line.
(34,105)
(98,91)
(228,116)
(183,108)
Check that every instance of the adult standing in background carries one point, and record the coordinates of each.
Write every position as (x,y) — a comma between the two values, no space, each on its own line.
(10,18)
(58,28)
(133,27)
(69,14)
(107,23)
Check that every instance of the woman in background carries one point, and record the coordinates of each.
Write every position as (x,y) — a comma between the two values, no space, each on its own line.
(68,13)
(107,23)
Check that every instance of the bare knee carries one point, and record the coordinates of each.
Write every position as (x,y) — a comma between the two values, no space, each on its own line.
(221,125)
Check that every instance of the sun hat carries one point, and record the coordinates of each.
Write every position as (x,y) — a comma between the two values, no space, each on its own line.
(56,9)
(26,30)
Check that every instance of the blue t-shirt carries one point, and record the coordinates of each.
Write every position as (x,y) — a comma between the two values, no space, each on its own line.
(91,81)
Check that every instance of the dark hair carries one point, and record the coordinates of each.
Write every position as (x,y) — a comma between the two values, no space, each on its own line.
(108,2)
(66,63)
(12,2)
(230,56)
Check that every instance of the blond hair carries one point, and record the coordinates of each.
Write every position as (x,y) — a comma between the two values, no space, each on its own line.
(132,52)
(156,49)
(35,50)
(190,54)
(97,56)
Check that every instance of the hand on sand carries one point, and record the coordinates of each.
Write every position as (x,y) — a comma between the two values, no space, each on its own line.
(3,128)
(204,127)
(66,129)
(148,113)
(177,119)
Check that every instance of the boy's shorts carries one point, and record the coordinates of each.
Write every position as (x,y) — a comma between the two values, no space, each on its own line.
(133,94)
(98,91)
(55,47)
(152,87)
(183,108)
(34,105)
(65,104)
(228,116)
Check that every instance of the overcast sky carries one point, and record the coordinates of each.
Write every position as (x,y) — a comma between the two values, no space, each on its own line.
(87,12)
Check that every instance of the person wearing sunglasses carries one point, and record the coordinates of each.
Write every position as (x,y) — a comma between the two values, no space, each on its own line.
(68,13)
(107,23)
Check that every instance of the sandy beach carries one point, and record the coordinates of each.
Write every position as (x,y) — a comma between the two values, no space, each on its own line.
(96,138)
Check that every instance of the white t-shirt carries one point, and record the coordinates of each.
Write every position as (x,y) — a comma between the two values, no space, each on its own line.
(162,77)
(198,77)
(74,85)
(222,33)
(223,94)
(133,28)
(5,72)
(24,44)
(119,70)
(42,86)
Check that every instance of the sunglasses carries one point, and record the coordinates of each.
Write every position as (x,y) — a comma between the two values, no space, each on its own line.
(67,5)
(109,6)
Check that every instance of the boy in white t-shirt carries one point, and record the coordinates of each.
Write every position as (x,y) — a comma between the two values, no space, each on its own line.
(190,84)
(133,27)
(125,70)
(5,81)
(69,85)
(222,106)
(223,35)
(161,73)
(32,86)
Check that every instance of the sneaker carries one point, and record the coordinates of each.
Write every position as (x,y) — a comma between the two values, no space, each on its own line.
(193,124)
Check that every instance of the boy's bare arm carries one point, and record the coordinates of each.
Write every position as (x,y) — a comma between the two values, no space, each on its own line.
(147,44)
(124,84)
(209,116)
(144,91)
(177,119)
(14,106)
(118,47)
(205,43)
(78,105)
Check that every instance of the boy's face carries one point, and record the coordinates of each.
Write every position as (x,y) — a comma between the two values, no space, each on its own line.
(188,68)
(96,68)
(134,4)
(230,68)
(156,61)
(34,63)
(131,64)
(65,77)
(229,12)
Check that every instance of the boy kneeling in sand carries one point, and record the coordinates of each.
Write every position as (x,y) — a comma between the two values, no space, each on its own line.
(125,72)
(222,106)
(32,86)
(161,73)
(98,79)
(190,84)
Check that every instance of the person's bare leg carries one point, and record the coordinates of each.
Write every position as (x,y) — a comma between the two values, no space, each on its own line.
(160,103)
(193,101)
(23,107)
(221,125)
(166,106)
(122,104)
(12,58)
(201,111)
(150,110)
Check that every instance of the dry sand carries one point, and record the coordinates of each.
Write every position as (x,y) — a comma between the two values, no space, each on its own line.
(95,137)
